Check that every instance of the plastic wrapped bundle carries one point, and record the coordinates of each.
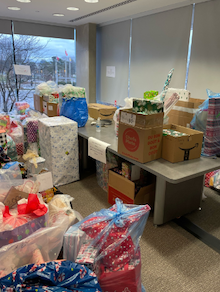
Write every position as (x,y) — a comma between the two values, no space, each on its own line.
(109,242)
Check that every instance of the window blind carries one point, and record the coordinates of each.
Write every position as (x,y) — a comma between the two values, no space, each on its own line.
(113,51)
(204,67)
(159,43)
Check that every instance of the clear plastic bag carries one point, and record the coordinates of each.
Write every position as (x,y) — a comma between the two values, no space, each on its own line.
(17,223)
(108,242)
(62,204)
(47,88)
(207,120)
(41,246)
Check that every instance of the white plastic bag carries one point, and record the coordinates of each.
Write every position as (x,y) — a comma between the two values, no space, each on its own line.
(62,204)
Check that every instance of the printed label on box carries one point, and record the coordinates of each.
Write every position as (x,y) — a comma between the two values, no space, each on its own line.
(153,142)
(127,118)
(131,140)
(50,107)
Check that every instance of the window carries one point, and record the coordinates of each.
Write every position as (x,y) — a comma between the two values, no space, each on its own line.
(51,59)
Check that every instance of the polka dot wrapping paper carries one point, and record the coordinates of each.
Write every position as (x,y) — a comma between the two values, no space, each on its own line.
(111,245)
(28,218)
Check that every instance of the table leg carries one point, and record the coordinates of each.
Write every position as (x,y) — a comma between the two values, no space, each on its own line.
(175,200)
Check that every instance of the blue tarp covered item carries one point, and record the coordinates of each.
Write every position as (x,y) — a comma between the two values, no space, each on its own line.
(59,276)
(75,109)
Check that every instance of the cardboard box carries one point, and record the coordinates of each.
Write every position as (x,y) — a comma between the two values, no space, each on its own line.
(38,103)
(105,112)
(183,111)
(176,149)
(50,109)
(124,189)
(129,117)
(140,136)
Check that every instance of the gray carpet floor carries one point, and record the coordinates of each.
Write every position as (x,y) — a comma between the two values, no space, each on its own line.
(172,259)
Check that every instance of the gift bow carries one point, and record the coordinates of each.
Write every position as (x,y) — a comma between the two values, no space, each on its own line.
(33,206)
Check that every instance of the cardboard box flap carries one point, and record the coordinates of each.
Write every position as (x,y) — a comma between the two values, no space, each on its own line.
(128,117)
(182,129)
(122,184)
(146,195)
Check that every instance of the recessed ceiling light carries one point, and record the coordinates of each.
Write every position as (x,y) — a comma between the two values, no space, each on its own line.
(14,8)
(72,8)
(58,14)
(91,1)
(24,1)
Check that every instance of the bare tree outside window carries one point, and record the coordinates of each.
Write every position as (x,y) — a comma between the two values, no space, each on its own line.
(30,50)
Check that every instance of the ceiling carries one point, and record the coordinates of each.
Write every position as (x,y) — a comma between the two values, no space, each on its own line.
(103,12)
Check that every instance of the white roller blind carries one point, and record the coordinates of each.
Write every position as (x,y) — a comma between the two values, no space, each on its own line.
(5,26)
(159,43)
(204,70)
(44,30)
(113,49)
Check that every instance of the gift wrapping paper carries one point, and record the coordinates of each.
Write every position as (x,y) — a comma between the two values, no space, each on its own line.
(32,129)
(183,93)
(72,242)
(173,133)
(147,107)
(3,141)
(59,146)
(126,170)
(102,170)
(150,94)
(212,135)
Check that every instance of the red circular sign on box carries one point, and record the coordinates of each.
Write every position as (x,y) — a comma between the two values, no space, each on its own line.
(131,140)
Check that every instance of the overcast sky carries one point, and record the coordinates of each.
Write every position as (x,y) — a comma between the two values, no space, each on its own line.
(56,47)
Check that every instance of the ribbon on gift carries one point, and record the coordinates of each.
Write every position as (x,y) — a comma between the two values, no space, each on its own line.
(33,206)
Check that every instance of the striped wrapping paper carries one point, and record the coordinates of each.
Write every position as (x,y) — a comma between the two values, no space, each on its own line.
(212,135)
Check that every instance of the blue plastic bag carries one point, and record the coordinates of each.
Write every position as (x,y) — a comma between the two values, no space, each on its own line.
(75,109)
(200,118)
(56,276)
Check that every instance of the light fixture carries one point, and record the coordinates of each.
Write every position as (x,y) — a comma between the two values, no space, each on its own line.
(91,1)
(58,14)
(24,1)
(72,8)
(14,8)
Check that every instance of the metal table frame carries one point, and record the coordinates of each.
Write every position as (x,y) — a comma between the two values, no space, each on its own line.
(179,186)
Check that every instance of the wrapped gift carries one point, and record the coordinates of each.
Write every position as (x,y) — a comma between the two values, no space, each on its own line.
(111,245)
(212,135)
(102,169)
(20,223)
(4,122)
(11,148)
(3,140)
(52,276)
(72,242)
(147,107)
(150,94)
(32,130)
(59,146)
(183,93)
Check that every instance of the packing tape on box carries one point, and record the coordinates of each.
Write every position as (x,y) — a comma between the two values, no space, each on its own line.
(184,109)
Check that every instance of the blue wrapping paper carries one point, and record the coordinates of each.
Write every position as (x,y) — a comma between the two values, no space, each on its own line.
(56,276)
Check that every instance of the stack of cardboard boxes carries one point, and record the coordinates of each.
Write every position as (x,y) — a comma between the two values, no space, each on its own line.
(42,104)
(143,138)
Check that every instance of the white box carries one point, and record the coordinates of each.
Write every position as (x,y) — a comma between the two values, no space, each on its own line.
(59,146)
